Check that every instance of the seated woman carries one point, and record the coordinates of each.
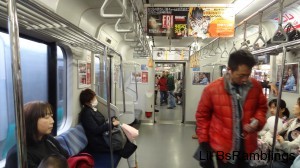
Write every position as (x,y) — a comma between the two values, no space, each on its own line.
(289,139)
(94,124)
(284,114)
(40,143)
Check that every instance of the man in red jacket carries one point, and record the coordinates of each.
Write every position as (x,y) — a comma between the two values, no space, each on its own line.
(231,111)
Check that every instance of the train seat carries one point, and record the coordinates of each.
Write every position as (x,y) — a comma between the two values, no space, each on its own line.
(75,141)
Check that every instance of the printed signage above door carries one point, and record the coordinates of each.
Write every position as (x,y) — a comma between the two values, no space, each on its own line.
(203,22)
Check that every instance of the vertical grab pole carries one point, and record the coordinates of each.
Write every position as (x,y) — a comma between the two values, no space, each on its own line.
(136,91)
(122,78)
(278,107)
(17,82)
(107,77)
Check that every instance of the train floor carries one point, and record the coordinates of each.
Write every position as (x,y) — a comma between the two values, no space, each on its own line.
(162,145)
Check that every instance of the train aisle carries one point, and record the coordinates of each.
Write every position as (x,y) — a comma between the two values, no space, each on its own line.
(165,146)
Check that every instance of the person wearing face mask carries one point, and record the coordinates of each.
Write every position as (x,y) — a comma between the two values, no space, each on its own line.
(94,124)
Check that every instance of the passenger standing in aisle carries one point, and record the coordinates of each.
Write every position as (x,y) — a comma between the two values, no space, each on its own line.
(171,87)
(231,111)
(163,88)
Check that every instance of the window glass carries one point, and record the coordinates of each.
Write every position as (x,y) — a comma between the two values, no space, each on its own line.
(61,88)
(100,86)
(34,69)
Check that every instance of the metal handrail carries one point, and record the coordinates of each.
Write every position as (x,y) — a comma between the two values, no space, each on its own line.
(225,51)
(260,37)
(245,42)
(104,5)
(280,29)
(218,49)
(278,102)
(130,29)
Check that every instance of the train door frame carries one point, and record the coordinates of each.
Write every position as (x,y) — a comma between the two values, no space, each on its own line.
(183,85)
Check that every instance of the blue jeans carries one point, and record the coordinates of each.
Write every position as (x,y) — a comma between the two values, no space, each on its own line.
(171,98)
(163,97)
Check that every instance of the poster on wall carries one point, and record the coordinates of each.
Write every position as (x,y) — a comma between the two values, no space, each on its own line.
(136,76)
(204,21)
(144,67)
(201,78)
(290,77)
(145,77)
(84,74)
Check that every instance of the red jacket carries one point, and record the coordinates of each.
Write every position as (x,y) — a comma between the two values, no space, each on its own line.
(215,117)
(163,84)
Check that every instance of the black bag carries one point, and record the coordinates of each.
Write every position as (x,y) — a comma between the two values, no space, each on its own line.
(291,31)
(118,139)
(128,149)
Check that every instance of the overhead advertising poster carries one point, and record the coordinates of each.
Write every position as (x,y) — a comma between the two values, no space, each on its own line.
(176,53)
(208,22)
(203,22)
(171,22)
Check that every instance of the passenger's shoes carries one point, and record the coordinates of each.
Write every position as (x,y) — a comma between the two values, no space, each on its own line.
(156,110)
(170,107)
(195,136)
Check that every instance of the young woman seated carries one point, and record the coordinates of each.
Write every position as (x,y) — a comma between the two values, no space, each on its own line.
(40,143)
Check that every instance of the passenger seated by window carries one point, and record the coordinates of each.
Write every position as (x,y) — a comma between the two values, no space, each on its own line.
(40,143)
(54,161)
(289,139)
(94,124)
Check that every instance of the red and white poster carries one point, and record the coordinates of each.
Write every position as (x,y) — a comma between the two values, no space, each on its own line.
(144,77)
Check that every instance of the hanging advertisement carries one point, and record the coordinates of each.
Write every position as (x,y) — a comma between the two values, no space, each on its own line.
(84,74)
(203,22)
(176,53)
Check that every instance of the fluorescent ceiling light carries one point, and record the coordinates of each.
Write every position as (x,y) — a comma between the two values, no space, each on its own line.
(240,5)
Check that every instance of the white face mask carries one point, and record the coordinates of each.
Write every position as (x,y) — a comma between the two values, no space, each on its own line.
(94,103)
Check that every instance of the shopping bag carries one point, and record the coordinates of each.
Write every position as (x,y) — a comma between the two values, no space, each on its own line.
(130,132)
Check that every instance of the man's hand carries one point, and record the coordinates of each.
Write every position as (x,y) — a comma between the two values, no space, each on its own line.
(274,89)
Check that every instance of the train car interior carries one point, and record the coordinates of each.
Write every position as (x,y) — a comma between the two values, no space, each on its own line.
(124,50)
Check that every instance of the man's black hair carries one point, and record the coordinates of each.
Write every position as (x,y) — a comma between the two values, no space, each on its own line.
(241,57)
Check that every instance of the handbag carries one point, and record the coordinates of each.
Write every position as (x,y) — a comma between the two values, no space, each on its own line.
(128,149)
(291,31)
(118,139)
(130,132)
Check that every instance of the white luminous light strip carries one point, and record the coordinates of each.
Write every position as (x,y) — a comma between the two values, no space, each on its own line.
(240,5)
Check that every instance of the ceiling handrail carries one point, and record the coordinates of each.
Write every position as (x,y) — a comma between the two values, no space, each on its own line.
(245,43)
(129,39)
(128,30)
(260,37)
(225,51)
(233,49)
(211,52)
(105,15)
(218,49)
(280,29)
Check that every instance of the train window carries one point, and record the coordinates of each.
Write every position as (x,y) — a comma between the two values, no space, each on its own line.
(34,83)
(61,88)
(99,78)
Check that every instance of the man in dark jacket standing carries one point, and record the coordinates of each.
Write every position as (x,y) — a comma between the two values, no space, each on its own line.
(171,87)
(231,111)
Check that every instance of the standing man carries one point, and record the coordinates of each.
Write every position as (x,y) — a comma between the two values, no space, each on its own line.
(231,111)
(171,88)
(163,88)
